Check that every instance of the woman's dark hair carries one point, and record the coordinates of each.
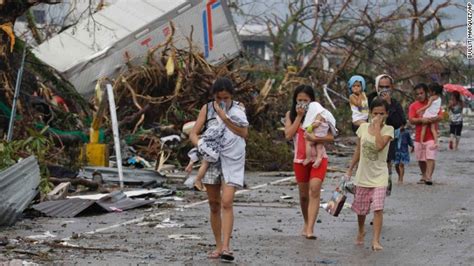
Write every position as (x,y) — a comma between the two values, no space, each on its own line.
(436,88)
(421,86)
(377,102)
(301,88)
(222,84)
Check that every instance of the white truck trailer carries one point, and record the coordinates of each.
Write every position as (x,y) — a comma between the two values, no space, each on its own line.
(96,47)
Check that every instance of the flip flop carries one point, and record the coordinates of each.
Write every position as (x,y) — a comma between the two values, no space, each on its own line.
(214,255)
(227,256)
(311,237)
(429,182)
(421,181)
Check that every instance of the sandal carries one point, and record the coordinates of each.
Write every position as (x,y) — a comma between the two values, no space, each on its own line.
(429,182)
(421,181)
(227,256)
(214,255)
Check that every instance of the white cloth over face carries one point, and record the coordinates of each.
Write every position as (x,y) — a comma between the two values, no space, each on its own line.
(315,109)
(219,142)
(377,81)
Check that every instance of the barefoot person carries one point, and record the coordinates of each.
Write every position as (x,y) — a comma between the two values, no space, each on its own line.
(309,179)
(371,178)
(425,153)
(227,174)
(402,154)
(455,107)
(384,87)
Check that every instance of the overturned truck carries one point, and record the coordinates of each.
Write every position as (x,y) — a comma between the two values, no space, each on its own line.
(125,31)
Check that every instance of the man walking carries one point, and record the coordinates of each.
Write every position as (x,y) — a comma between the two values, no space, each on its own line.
(425,153)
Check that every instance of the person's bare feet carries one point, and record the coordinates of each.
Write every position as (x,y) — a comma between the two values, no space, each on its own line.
(303,232)
(188,168)
(215,254)
(306,162)
(376,246)
(360,239)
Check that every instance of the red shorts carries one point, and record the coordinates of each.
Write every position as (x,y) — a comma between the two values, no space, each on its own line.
(304,173)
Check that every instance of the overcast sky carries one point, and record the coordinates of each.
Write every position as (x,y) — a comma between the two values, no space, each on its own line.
(459,16)
(456,16)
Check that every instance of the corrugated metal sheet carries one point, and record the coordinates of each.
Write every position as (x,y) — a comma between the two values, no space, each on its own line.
(18,187)
(130,176)
(65,208)
(76,207)
(156,193)
(118,200)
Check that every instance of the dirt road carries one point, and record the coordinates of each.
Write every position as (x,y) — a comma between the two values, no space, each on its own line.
(423,225)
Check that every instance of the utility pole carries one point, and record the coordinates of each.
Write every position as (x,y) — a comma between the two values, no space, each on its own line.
(19,76)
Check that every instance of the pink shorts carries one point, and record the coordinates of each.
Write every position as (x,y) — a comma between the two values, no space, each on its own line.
(368,199)
(428,151)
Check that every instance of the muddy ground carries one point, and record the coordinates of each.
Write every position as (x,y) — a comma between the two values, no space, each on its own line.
(423,225)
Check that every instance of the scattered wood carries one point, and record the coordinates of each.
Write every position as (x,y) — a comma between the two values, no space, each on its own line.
(59,192)
(68,246)
(76,181)
(26,252)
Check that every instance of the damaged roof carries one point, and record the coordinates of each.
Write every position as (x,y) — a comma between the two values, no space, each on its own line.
(18,187)
(75,207)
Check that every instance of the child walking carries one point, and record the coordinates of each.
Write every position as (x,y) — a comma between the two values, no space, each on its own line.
(432,110)
(402,154)
(358,101)
(318,120)
(371,178)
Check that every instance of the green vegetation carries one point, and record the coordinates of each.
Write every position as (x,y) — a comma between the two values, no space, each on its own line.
(36,144)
